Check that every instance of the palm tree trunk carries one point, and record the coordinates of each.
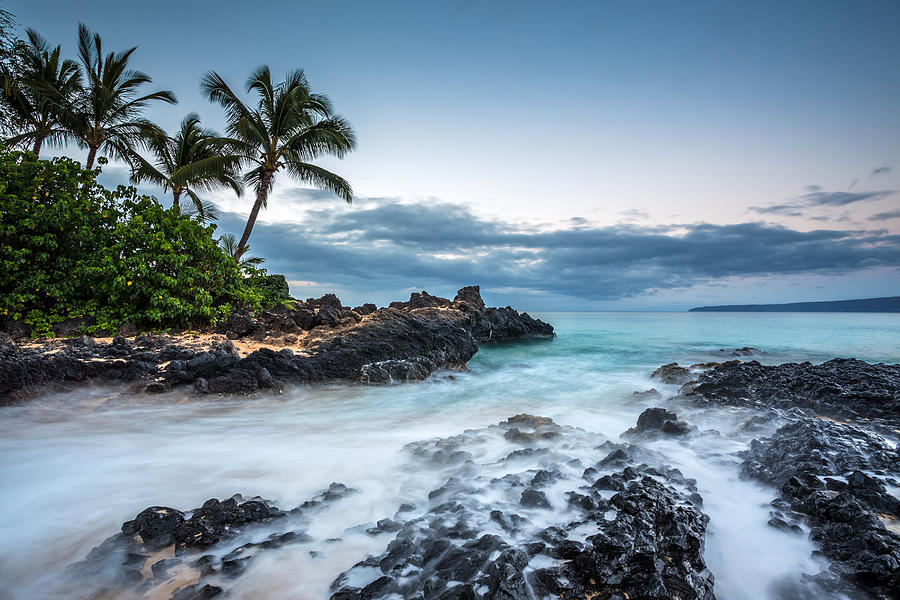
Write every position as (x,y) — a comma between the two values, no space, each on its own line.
(261,195)
(37,146)
(176,194)
(92,153)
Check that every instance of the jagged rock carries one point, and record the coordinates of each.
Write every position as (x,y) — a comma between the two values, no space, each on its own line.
(389,345)
(156,526)
(329,300)
(806,461)
(659,420)
(672,373)
(421,300)
(651,548)
(651,394)
(238,325)
(745,351)
(471,296)
(653,418)
(534,499)
(839,388)
(365,309)
(196,592)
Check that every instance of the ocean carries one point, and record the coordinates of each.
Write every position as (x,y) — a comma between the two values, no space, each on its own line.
(76,465)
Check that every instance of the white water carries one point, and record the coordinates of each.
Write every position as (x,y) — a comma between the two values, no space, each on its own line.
(76,465)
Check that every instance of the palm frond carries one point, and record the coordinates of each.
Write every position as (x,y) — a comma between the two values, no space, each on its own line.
(320,178)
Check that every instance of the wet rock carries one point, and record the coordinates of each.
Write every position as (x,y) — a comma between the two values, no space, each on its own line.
(806,461)
(745,351)
(196,592)
(160,569)
(528,429)
(840,388)
(782,525)
(651,394)
(659,420)
(533,498)
(119,563)
(405,343)
(653,418)
(676,428)
(672,373)
(215,520)
(651,548)
(155,525)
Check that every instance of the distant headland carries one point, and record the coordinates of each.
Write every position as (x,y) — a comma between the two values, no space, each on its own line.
(879,305)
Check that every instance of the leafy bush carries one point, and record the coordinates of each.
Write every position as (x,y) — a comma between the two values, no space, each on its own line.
(273,289)
(70,248)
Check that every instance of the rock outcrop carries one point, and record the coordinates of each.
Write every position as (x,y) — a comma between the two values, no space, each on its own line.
(314,341)
(518,517)
(831,463)
(843,388)
(833,477)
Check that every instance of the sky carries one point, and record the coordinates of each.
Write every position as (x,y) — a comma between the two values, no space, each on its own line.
(570,155)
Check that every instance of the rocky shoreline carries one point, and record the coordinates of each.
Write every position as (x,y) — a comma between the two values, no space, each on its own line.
(564,513)
(318,340)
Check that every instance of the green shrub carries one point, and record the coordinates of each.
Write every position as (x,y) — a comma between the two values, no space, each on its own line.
(70,248)
(273,289)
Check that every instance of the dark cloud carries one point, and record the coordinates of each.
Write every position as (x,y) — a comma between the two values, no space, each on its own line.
(883,169)
(841,198)
(884,216)
(789,210)
(820,199)
(385,244)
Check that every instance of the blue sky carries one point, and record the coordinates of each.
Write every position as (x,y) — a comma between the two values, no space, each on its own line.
(603,150)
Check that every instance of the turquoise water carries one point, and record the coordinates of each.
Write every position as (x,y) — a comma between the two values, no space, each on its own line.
(78,464)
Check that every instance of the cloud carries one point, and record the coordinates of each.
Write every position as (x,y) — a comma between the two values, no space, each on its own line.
(841,198)
(883,169)
(386,244)
(789,210)
(820,199)
(884,216)
(635,214)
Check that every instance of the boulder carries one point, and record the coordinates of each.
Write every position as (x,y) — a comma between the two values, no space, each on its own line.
(672,373)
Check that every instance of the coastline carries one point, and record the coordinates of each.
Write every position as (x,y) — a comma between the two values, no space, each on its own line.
(314,341)
(557,509)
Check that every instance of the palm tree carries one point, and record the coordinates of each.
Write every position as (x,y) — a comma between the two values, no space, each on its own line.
(289,127)
(106,116)
(228,244)
(36,91)
(192,159)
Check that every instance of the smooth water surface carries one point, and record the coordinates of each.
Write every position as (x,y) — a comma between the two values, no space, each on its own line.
(76,465)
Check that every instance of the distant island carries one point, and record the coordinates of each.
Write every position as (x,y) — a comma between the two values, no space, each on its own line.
(874,305)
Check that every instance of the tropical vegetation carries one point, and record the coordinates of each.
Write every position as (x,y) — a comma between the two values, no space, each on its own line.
(44,79)
(72,249)
(289,127)
(188,162)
